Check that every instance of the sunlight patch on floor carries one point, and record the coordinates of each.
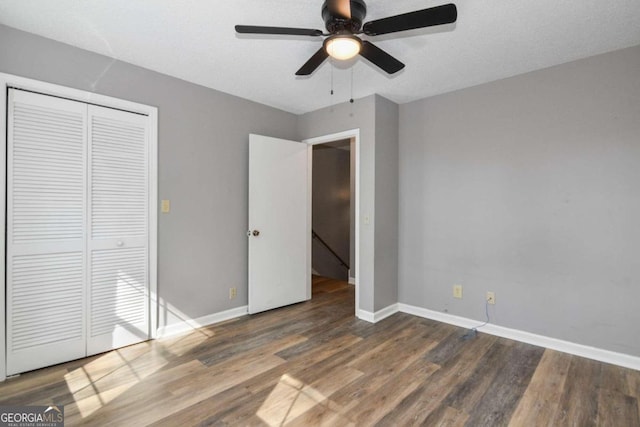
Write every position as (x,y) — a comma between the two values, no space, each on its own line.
(103,379)
(100,381)
(291,399)
(179,345)
(171,316)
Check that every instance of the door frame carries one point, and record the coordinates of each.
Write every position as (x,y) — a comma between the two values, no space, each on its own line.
(9,80)
(347,134)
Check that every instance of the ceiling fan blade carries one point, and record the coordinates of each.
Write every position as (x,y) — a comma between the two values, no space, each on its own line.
(445,14)
(253,29)
(314,62)
(341,8)
(380,58)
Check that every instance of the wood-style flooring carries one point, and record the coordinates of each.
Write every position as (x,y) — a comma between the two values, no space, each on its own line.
(316,364)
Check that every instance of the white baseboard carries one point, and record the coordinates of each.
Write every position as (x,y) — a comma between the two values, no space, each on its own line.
(365,315)
(594,353)
(463,322)
(378,315)
(352,280)
(188,325)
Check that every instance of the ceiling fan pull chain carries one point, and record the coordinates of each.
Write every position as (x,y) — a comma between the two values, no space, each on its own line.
(331,63)
(351,100)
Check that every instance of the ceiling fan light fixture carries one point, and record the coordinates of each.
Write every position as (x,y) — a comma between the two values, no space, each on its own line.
(343,47)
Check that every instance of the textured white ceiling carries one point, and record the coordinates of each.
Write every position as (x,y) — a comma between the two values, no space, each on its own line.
(195,41)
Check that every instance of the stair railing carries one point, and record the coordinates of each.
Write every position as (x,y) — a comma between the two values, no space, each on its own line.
(319,239)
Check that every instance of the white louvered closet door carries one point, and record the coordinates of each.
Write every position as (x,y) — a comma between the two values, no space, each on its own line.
(77,230)
(118,302)
(46,214)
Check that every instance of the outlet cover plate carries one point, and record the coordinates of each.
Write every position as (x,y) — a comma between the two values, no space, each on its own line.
(491,297)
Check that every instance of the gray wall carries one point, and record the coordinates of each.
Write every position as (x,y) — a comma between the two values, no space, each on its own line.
(339,118)
(331,214)
(203,166)
(377,119)
(386,257)
(529,187)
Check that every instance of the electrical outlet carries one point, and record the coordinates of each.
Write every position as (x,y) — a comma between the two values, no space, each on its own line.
(491,297)
(233,292)
(457,291)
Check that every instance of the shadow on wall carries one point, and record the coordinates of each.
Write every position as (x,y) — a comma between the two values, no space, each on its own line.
(332,209)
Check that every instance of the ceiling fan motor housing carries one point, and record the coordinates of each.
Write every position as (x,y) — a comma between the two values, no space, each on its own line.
(338,24)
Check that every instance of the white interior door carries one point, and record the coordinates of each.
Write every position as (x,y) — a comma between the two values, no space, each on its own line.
(118,241)
(279,223)
(46,212)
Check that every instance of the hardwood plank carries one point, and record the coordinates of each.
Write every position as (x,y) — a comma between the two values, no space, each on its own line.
(618,396)
(328,350)
(615,407)
(633,385)
(468,393)
(15,387)
(322,415)
(501,397)
(242,413)
(579,402)
(294,400)
(447,348)
(319,335)
(418,405)
(614,379)
(325,285)
(387,397)
(379,374)
(446,416)
(226,352)
(633,382)
(386,352)
(204,411)
(540,401)
(230,371)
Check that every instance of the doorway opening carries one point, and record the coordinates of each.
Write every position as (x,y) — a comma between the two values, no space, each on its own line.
(334,209)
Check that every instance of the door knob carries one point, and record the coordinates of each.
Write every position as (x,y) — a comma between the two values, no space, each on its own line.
(120,243)
(256,233)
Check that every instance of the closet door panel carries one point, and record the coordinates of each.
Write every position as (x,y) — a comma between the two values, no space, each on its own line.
(46,215)
(118,301)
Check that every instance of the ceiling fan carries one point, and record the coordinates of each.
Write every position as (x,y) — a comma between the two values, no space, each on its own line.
(343,21)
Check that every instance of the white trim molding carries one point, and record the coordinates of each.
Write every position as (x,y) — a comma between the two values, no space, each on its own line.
(9,80)
(378,315)
(190,325)
(581,350)
(367,316)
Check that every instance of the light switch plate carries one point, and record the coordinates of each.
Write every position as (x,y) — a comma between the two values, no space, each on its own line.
(165,206)
(457,291)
